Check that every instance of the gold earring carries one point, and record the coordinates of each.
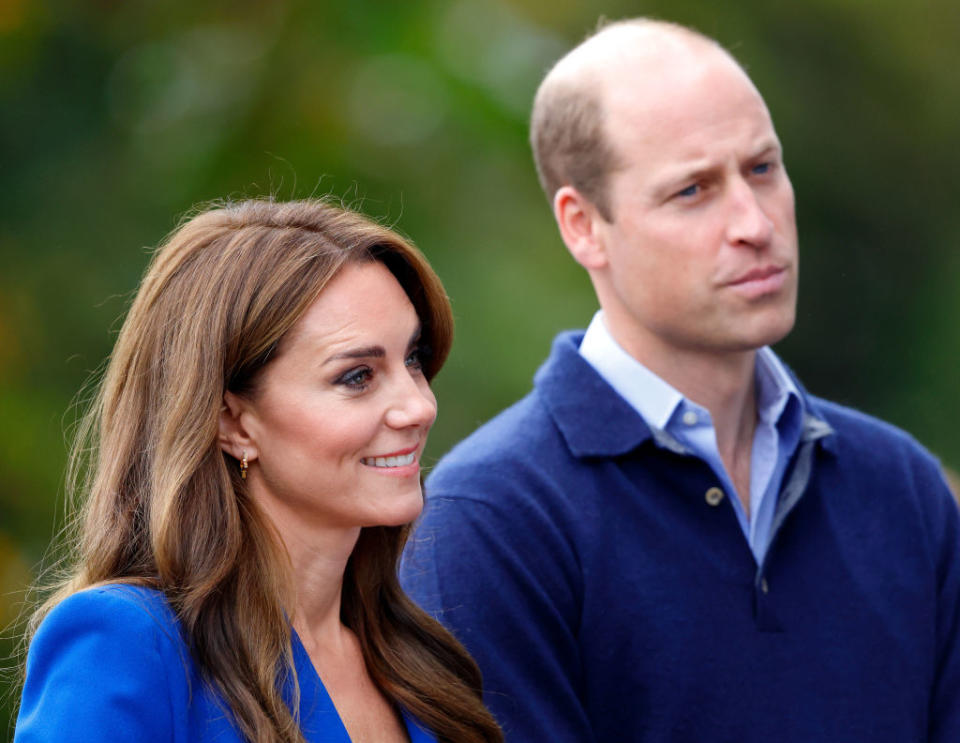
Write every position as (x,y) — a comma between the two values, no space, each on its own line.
(243,467)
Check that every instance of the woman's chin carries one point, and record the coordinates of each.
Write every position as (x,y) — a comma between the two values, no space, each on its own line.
(401,511)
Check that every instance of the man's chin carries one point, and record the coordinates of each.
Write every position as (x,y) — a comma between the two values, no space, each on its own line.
(758,334)
(774,333)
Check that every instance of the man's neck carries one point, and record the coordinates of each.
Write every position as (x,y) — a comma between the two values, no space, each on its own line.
(723,383)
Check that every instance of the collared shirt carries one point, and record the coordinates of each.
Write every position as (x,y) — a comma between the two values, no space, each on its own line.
(667,411)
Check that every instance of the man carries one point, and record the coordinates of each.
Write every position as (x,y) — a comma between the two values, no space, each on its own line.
(668,538)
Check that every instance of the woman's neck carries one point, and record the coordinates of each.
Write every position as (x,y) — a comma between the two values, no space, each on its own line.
(318,557)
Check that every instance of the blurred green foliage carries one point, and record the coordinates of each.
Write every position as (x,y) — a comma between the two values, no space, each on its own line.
(117,117)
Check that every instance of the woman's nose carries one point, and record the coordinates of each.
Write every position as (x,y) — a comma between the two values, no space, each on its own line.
(413,404)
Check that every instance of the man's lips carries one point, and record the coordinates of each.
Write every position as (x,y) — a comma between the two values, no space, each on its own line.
(759,282)
(757,274)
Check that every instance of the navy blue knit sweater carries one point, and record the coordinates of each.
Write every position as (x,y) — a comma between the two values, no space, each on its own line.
(608,593)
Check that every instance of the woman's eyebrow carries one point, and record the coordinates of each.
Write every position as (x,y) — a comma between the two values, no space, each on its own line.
(415,337)
(367,352)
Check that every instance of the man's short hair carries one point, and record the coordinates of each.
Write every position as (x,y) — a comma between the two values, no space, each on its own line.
(567,134)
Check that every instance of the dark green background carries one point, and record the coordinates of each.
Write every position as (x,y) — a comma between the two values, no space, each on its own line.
(117,117)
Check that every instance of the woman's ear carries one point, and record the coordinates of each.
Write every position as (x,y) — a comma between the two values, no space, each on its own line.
(235,438)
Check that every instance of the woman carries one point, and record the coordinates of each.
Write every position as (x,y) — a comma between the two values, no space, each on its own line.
(250,465)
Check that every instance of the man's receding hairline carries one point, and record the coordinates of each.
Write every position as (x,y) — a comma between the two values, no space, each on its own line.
(583,64)
(567,129)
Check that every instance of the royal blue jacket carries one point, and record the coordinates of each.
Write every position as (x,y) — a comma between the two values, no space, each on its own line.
(110,664)
(608,593)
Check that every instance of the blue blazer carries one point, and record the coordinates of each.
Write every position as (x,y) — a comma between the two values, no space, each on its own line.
(110,663)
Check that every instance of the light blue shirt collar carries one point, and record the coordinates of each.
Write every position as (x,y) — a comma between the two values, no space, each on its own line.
(655,399)
(681,425)
(775,386)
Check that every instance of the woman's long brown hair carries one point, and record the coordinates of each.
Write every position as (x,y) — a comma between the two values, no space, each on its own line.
(162,506)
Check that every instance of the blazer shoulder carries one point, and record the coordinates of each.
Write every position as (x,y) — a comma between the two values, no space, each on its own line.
(122,608)
(108,660)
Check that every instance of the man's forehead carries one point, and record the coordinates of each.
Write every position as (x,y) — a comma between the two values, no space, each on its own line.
(668,94)
(679,126)
(667,91)
(641,44)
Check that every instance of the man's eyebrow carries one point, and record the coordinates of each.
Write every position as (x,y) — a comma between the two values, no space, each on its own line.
(366,352)
(704,168)
(766,148)
(683,174)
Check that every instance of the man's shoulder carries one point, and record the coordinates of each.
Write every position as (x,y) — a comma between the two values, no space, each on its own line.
(509,441)
(859,431)
(570,415)
(876,457)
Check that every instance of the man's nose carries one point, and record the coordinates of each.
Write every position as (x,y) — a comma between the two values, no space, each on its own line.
(748,224)
(412,404)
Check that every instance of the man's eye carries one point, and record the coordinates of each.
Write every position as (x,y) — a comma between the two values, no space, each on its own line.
(355,379)
(691,190)
(761,169)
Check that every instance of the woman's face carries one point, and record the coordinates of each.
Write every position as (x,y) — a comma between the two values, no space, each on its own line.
(340,416)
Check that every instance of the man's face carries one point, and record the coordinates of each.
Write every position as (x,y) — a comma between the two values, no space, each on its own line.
(702,246)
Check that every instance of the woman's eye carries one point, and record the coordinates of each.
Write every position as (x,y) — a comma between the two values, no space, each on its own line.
(418,357)
(414,359)
(355,379)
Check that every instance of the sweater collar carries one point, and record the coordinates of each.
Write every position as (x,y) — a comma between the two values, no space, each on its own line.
(593,419)
(596,421)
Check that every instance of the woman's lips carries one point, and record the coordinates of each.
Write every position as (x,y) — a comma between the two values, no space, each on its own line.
(400,463)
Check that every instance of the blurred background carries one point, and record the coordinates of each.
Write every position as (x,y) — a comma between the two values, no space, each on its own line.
(117,117)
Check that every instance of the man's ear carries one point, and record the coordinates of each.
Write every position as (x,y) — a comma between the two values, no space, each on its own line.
(235,438)
(580,224)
